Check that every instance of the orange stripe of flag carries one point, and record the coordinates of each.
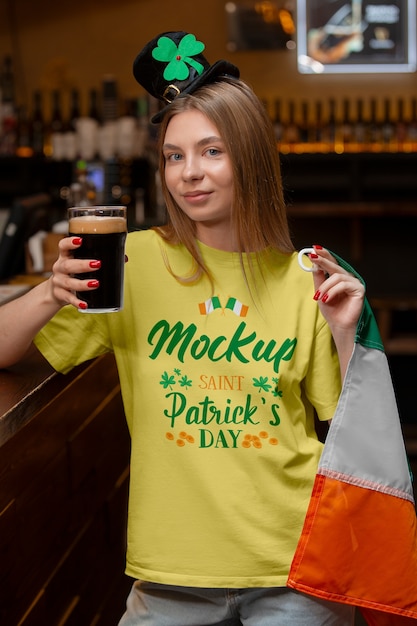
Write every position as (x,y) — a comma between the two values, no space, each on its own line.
(359,537)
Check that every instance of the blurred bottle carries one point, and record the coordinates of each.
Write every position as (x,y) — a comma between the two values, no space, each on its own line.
(142,127)
(277,121)
(110,103)
(359,127)
(400,126)
(388,128)
(54,145)
(8,113)
(318,126)
(331,127)
(93,106)
(346,126)
(75,109)
(412,126)
(7,81)
(107,135)
(304,127)
(70,129)
(88,129)
(373,135)
(126,135)
(37,125)
(24,144)
(290,132)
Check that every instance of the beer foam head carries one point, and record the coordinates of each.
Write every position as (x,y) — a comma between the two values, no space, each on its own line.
(96,224)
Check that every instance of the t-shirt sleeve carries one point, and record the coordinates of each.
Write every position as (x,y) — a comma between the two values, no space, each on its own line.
(323,381)
(71,338)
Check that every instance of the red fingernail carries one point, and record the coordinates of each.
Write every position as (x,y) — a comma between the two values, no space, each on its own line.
(93,284)
(77,241)
(313,256)
(126,258)
(95,265)
(82,305)
(316,295)
(317,247)
(325,297)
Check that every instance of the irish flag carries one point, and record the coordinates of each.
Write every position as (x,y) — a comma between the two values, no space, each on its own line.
(209,305)
(359,541)
(237,307)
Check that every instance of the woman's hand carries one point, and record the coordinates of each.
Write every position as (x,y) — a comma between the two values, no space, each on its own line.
(63,282)
(340,296)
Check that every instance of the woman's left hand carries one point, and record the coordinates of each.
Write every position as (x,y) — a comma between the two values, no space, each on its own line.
(339,294)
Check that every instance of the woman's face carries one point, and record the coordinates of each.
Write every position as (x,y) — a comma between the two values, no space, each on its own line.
(198,174)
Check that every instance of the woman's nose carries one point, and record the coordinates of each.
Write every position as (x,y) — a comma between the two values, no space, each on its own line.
(192,169)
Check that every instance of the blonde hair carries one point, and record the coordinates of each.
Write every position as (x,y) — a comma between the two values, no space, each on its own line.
(258,214)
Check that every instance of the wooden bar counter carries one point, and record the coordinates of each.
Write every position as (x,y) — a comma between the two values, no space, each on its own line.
(64,467)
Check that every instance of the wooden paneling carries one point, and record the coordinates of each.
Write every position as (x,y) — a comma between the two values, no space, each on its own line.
(63,499)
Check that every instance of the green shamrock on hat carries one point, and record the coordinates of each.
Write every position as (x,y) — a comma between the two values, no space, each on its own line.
(178,56)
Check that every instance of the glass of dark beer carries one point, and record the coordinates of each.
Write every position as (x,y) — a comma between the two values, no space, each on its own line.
(103,231)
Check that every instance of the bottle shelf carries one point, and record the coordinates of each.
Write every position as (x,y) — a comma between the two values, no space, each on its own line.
(340,148)
(349,177)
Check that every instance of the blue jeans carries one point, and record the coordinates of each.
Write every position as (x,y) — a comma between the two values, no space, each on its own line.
(151,604)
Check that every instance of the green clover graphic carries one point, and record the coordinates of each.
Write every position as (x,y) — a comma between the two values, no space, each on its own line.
(262,383)
(167,380)
(276,392)
(178,56)
(185,382)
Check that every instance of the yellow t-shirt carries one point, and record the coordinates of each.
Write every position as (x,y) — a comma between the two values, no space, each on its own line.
(219,386)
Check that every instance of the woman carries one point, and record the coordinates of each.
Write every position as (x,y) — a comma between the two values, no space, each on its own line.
(225,351)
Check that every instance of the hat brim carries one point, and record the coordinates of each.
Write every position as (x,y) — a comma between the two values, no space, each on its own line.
(215,71)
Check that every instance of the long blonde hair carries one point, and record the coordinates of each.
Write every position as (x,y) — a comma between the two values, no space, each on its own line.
(258,213)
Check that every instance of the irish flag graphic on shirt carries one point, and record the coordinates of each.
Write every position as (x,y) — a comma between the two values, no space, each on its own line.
(237,307)
(232,304)
(209,305)
(359,541)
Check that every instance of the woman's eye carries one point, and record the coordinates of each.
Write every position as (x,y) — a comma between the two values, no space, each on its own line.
(213,151)
(173,157)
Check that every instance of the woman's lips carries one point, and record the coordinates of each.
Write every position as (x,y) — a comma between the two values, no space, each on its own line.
(194,197)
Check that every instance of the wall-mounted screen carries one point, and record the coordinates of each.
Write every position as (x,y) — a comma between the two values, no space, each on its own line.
(356,36)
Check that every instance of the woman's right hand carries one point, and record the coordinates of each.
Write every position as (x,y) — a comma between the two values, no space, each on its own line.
(63,282)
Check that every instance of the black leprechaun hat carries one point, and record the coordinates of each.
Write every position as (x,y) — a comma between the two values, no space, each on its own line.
(172,65)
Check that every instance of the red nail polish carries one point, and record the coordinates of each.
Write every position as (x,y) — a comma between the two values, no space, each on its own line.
(316,295)
(126,258)
(93,284)
(313,256)
(82,305)
(77,241)
(317,247)
(95,265)
(325,297)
